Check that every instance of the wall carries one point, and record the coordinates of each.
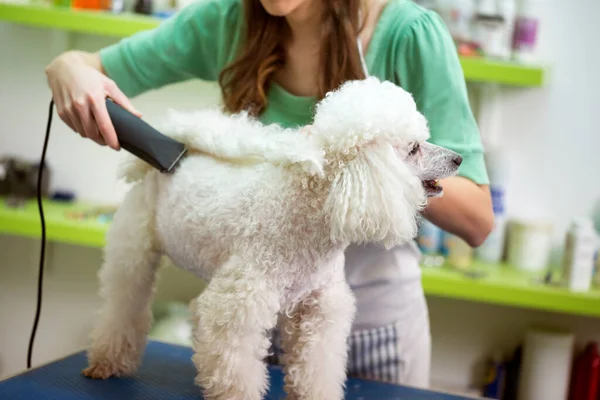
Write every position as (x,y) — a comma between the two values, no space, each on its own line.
(549,132)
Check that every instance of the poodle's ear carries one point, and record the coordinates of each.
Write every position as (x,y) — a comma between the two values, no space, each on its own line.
(375,198)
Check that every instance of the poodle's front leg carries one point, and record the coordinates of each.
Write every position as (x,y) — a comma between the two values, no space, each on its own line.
(314,340)
(127,281)
(232,318)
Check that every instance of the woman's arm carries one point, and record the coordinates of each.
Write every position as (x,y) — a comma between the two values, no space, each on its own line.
(191,44)
(465,210)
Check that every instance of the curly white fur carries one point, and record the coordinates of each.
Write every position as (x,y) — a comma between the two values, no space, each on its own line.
(264,215)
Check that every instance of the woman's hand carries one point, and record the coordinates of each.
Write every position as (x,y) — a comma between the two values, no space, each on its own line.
(465,210)
(79,90)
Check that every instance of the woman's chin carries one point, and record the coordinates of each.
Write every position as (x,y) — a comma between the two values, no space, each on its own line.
(278,8)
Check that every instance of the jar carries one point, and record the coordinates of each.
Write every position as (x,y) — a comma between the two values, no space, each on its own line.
(529,245)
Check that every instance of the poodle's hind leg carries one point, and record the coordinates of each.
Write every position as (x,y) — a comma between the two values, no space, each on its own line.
(314,340)
(231,320)
(127,282)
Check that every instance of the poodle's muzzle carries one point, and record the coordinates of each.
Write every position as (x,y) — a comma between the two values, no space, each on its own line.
(434,163)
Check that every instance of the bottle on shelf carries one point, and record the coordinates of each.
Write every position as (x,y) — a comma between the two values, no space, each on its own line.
(586,374)
(581,245)
(525,31)
(492,249)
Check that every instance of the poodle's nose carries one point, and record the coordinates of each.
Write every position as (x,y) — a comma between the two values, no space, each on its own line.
(457,160)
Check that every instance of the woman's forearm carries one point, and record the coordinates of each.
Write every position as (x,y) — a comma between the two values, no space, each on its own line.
(465,209)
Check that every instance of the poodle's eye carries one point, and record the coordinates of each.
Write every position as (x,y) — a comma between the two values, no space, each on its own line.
(415,149)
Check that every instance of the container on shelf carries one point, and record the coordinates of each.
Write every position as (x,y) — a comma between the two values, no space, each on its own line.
(458,252)
(429,242)
(89,4)
(508,10)
(526,31)
(586,374)
(581,245)
(495,378)
(529,244)
(546,365)
(492,249)
(430,237)
(117,6)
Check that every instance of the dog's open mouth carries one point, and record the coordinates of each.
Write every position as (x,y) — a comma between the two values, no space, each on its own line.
(432,188)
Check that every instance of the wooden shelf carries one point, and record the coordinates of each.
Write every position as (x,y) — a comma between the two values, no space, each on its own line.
(122,25)
(493,284)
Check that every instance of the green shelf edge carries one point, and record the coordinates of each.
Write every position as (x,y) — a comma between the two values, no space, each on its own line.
(26,222)
(502,72)
(122,25)
(73,20)
(505,285)
(500,285)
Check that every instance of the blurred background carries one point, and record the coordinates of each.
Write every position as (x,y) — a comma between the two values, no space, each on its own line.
(522,309)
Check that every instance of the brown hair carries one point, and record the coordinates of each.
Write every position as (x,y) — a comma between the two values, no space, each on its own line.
(245,82)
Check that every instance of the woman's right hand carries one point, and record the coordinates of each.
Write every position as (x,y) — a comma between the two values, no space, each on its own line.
(79,90)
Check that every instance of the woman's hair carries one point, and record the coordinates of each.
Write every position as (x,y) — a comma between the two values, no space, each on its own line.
(245,82)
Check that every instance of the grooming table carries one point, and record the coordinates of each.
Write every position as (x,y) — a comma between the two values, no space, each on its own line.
(166,373)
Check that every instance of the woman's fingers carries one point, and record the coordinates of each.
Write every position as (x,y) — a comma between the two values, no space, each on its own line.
(104,125)
(119,97)
(88,124)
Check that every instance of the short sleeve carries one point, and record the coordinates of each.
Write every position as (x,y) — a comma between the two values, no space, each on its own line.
(428,66)
(194,43)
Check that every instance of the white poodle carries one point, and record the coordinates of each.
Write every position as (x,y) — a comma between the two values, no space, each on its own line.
(264,215)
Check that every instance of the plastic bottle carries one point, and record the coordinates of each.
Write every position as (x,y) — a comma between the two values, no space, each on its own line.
(143,7)
(525,32)
(492,249)
(586,373)
(508,10)
(429,242)
(430,237)
(495,378)
(488,28)
(580,248)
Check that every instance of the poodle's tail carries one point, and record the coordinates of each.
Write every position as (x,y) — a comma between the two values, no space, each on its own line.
(235,139)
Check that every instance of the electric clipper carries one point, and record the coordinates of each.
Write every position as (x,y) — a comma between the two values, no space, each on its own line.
(143,141)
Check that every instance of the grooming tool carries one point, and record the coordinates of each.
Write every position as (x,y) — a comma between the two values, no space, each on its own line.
(143,141)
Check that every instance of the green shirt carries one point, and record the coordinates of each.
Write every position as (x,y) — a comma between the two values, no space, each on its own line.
(410,46)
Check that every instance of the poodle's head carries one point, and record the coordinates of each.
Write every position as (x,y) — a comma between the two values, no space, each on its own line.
(381,167)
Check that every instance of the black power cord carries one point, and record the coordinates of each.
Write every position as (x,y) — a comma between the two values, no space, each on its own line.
(43,248)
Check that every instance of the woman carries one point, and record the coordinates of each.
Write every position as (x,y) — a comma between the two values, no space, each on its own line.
(276,58)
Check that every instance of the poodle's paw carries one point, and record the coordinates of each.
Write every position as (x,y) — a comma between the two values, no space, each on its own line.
(121,361)
(102,370)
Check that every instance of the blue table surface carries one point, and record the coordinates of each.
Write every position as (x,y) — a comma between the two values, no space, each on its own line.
(166,372)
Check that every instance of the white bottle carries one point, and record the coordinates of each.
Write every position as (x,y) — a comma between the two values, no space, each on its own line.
(492,249)
(508,10)
(489,28)
(580,248)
